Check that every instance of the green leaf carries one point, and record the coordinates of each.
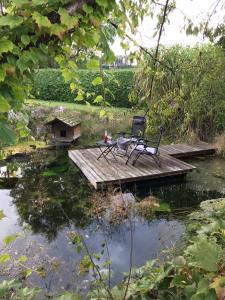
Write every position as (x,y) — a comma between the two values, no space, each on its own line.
(19,3)
(205,254)
(103,3)
(68,296)
(102,113)
(4,258)
(67,20)
(4,105)
(27,272)
(11,21)
(42,21)
(2,215)
(5,45)
(2,74)
(98,99)
(97,81)
(93,64)
(109,56)
(7,135)
(9,239)
(87,8)
(79,97)
(22,259)
(25,39)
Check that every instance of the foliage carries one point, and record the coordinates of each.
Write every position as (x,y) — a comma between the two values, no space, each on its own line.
(48,84)
(31,33)
(190,98)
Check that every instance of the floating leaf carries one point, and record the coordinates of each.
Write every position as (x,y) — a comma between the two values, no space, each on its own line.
(9,239)
(4,258)
(2,215)
(22,259)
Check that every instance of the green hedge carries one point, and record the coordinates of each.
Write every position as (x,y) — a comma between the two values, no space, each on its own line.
(48,84)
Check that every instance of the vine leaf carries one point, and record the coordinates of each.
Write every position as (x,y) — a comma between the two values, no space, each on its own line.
(205,254)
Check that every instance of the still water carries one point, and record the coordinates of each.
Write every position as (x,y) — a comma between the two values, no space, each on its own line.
(53,198)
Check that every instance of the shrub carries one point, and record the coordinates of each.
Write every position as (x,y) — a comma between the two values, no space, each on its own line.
(192,99)
(48,84)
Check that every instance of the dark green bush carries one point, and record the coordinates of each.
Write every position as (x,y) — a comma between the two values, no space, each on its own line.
(48,84)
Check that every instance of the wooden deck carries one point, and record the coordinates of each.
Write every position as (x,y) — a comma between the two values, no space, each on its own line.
(184,150)
(101,173)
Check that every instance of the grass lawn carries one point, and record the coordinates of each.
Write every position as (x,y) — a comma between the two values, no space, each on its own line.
(82,108)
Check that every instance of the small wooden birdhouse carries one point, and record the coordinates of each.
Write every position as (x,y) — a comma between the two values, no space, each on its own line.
(64,130)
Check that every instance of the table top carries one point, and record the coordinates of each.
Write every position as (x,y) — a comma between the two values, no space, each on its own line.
(108,144)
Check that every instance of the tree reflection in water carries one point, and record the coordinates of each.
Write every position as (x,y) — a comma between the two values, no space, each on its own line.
(52,194)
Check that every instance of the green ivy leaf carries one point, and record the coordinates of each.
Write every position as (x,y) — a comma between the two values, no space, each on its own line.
(87,8)
(67,20)
(42,21)
(103,3)
(5,45)
(2,74)
(11,21)
(4,258)
(7,134)
(4,105)
(25,39)
(97,81)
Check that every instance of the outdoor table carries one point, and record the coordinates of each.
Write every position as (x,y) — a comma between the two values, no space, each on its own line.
(110,146)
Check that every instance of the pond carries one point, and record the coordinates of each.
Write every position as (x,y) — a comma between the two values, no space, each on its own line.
(53,199)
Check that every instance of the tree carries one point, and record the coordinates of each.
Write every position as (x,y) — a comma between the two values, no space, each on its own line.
(31,32)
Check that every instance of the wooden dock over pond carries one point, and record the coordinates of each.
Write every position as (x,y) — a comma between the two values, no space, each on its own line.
(101,173)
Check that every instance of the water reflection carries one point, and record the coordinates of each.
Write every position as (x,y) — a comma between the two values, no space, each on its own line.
(54,198)
(51,195)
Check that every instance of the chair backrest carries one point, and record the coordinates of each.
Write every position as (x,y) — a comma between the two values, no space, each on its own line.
(138,126)
(158,140)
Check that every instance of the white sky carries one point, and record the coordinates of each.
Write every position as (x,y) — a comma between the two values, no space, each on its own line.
(196,10)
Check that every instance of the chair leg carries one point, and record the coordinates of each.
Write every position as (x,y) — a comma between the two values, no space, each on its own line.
(129,156)
(136,158)
(156,159)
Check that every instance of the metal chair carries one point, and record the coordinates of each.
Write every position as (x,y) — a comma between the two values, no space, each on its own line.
(125,140)
(147,147)
(137,128)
